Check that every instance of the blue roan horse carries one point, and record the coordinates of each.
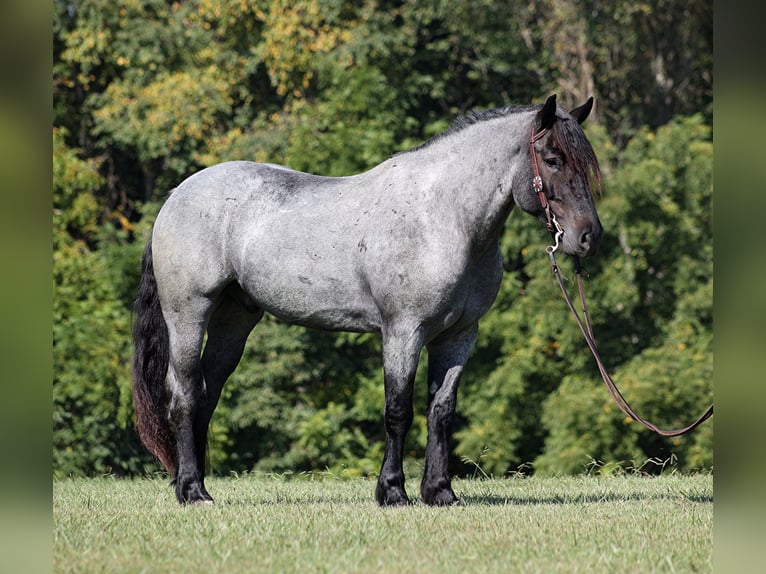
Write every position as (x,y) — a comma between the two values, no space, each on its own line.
(408,249)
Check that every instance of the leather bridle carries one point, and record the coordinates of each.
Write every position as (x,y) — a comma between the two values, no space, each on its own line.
(537,181)
(585,327)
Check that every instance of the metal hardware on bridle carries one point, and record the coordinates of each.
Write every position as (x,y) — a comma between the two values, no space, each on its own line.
(586,328)
(556,235)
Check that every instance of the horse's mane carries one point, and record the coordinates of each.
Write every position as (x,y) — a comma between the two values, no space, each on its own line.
(568,138)
(470,118)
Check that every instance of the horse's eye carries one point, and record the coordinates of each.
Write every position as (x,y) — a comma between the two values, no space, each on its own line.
(553,162)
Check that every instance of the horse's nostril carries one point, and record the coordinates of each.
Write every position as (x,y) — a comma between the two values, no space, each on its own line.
(590,238)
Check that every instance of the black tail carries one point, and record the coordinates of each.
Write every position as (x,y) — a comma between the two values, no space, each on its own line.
(150,366)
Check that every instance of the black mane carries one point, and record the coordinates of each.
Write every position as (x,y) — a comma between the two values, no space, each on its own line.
(470,118)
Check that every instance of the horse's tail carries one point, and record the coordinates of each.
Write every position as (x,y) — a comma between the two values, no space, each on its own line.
(150,367)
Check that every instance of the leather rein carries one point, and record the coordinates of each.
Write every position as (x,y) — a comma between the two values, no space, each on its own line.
(585,327)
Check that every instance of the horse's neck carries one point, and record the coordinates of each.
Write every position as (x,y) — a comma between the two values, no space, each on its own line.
(472,173)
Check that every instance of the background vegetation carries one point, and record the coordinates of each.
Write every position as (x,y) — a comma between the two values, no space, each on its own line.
(145,93)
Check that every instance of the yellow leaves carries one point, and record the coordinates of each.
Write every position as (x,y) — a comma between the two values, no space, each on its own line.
(206,56)
(87,48)
(224,15)
(123,221)
(218,147)
(210,9)
(178,110)
(295,33)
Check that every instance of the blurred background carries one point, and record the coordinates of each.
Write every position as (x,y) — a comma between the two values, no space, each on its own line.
(146,93)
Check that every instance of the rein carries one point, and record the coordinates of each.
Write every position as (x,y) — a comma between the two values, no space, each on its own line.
(585,328)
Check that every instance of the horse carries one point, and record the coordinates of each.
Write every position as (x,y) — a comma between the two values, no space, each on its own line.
(408,250)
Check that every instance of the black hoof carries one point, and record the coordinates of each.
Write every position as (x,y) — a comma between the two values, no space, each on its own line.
(192,492)
(443,499)
(391,497)
(440,496)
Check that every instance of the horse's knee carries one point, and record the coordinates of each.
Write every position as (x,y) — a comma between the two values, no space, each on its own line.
(398,416)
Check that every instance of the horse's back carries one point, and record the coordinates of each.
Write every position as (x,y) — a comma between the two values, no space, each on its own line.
(205,206)
(285,236)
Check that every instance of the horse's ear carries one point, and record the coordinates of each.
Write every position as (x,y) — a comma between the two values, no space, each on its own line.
(581,113)
(547,115)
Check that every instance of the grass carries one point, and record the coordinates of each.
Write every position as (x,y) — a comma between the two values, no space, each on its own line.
(270,524)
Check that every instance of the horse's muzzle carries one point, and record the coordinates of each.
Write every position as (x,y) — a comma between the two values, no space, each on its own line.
(584,240)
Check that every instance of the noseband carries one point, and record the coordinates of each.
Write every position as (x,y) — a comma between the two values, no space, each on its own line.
(586,328)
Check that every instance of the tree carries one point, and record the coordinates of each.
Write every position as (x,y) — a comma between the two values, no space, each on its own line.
(146,93)
(91,384)
(655,292)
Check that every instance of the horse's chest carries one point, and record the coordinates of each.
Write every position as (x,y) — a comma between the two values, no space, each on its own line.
(483,284)
(467,295)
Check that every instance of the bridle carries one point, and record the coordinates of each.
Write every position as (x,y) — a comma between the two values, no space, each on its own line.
(537,182)
(585,327)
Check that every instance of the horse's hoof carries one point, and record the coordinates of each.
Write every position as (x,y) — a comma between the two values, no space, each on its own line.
(197,498)
(443,498)
(395,503)
(392,498)
(192,492)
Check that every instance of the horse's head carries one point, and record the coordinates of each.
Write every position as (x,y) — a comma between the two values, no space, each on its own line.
(563,159)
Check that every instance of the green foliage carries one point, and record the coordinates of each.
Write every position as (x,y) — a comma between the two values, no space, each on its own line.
(147,117)
(91,384)
(76,209)
(146,93)
(659,290)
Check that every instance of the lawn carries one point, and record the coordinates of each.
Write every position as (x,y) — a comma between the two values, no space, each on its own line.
(626,523)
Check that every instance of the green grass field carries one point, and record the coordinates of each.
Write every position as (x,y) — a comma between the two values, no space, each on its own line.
(588,524)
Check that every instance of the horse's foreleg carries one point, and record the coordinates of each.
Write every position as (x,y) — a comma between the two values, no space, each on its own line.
(446,358)
(227,333)
(401,350)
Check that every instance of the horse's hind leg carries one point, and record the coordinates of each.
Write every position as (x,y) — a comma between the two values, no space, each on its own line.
(227,333)
(196,384)
(186,386)
(446,358)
